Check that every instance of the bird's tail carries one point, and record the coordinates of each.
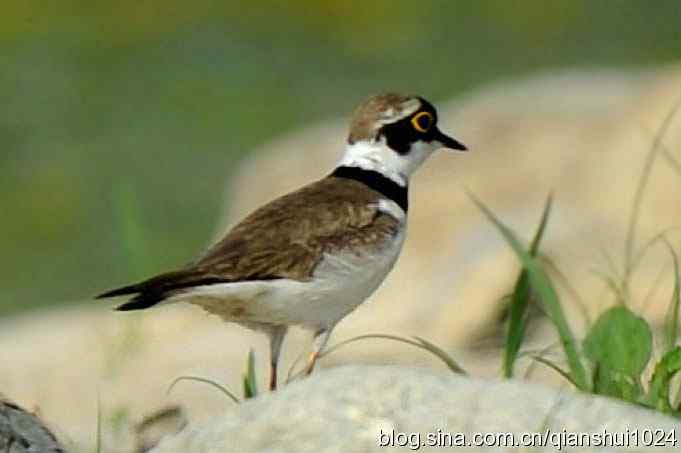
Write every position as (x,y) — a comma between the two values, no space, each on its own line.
(154,290)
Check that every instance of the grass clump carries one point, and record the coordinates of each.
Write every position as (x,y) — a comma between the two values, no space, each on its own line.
(613,357)
(617,350)
(250,387)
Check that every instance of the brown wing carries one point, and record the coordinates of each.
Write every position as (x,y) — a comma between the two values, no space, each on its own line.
(286,238)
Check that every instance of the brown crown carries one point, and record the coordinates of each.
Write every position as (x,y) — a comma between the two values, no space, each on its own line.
(378,110)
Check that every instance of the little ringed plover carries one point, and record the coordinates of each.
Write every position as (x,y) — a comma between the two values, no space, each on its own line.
(312,256)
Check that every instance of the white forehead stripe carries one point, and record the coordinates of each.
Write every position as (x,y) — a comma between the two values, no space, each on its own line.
(390,115)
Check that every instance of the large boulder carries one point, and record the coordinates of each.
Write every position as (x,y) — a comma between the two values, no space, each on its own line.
(378,409)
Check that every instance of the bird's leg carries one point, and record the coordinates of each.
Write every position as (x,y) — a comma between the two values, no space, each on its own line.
(276,339)
(321,337)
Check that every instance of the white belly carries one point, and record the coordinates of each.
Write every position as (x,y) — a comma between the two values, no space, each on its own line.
(339,284)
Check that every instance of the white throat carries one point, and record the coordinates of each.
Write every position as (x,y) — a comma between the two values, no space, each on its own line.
(377,156)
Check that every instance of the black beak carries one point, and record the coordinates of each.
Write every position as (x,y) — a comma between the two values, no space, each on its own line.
(447,141)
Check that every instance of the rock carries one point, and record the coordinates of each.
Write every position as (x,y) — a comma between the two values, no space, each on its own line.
(353,409)
(23,432)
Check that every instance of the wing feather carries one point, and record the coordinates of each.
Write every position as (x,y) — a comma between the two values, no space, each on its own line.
(286,238)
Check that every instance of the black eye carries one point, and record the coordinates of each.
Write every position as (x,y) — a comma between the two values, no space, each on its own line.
(422,121)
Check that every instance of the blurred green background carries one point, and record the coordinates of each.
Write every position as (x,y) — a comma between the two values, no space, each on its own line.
(121,121)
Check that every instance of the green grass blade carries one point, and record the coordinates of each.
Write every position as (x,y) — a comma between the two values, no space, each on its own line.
(520,300)
(555,368)
(547,293)
(417,342)
(643,250)
(611,276)
(214,384)
(611,282)
(671,160)
(562,279)
(128,214)
(98,441)
(666,368)
(650,296)
(671,328)
(441,354)
(250,381)
(530,353)
(630,241)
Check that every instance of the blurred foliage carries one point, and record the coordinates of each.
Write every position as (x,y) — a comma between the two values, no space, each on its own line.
(143,108)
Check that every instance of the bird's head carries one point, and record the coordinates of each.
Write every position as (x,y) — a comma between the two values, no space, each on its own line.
(394,134)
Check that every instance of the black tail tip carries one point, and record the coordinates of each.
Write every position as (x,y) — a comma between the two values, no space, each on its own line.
(126,290)
(140,302)
(129,306)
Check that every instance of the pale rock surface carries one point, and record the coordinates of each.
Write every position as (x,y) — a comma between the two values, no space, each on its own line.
(348,408)
(584,135)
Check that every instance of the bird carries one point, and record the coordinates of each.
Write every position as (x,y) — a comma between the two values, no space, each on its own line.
(310,257)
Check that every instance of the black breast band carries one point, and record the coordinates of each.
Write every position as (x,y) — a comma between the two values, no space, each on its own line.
(378,182)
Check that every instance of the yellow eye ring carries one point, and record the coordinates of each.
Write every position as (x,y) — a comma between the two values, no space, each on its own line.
(422,121)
